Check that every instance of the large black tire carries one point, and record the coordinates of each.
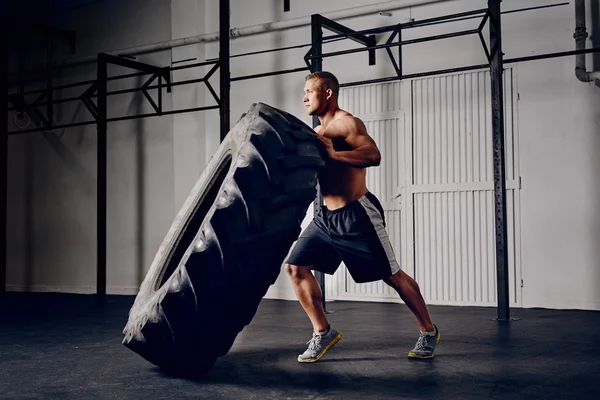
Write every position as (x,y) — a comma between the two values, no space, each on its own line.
(227,244)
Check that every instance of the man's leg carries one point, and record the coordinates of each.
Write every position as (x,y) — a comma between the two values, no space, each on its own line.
(409,292)
(375,251)
(313,250)
(309,294)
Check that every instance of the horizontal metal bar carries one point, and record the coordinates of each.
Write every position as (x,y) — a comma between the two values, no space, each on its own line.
(340,29)
(472,67)
(253,53)
(504,12)
(186,110)
(379,80)
(443,19)
(182,61)
(396,44)
(446,19)
(190,81)
(62,126)
(117,92)
(76,124)
(535,8)
(117,77)
(552,55)
(412,24)
(128,63)
(417,75)
(287,71)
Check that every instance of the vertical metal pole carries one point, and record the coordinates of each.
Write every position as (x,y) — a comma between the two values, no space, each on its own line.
(317,65)
(102,127)
(50,92)
(225,105)
(3,148)
(496,71)
(400,60)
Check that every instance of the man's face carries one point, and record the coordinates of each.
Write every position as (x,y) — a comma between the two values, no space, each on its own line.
(315,99)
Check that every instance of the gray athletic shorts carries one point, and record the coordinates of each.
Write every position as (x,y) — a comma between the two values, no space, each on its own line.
(354,234)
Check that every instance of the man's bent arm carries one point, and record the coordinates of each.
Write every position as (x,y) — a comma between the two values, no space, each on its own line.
(364,151)
(363,156)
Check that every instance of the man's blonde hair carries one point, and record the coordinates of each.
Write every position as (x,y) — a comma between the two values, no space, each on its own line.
(326,81)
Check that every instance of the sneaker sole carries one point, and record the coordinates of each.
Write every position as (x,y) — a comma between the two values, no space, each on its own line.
(330,345)
(413,355)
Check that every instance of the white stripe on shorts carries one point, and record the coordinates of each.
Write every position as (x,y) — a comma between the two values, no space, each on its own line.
(377,222)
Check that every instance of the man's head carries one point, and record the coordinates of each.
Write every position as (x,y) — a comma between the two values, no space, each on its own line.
(321,91)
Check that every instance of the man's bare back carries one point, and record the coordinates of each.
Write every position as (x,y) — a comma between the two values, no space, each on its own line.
(351,150)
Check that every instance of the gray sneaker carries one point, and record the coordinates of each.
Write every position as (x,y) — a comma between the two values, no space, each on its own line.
(318,346)
(425,345)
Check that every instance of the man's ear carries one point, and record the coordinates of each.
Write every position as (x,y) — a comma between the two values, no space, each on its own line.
(329,93)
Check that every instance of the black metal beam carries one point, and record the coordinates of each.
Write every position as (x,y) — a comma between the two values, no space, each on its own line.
(49,92)
(273,73)
(413,24)
(396,44)
(124,76)
(415,75)
(224,64)
(156,72)
(3,149)
(265,74)
(116,119)
(470,67)
(316,66)
(368,41)
(102,129)
(496,72)
(286,5)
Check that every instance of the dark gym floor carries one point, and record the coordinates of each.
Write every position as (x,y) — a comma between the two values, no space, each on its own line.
(69,347)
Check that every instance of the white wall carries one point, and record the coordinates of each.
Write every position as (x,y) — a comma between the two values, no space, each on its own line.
(52,178)
(154,162)
(557,115)
(189,136)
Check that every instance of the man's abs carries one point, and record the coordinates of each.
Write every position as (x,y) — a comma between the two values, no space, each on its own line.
(341,184)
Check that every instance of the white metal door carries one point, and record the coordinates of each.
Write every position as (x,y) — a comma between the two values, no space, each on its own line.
(451,191)
(436,185)
(381,107)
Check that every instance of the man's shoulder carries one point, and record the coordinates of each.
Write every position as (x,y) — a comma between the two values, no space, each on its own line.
(350,123)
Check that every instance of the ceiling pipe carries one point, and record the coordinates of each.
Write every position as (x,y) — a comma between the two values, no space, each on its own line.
(580,37)
(254,29)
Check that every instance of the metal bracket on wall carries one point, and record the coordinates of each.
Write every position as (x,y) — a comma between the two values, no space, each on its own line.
(157,72)
(397,65)
(344,32)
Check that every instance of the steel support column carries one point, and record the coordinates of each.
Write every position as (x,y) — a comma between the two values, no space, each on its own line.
(102,128)
(496,72)
(317,65)
(3,147)
(224,67)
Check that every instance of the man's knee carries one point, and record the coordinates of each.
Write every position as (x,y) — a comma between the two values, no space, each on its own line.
(396,279)
(296,272)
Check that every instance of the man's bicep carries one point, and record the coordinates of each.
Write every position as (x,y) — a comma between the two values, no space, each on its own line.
(360,139)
